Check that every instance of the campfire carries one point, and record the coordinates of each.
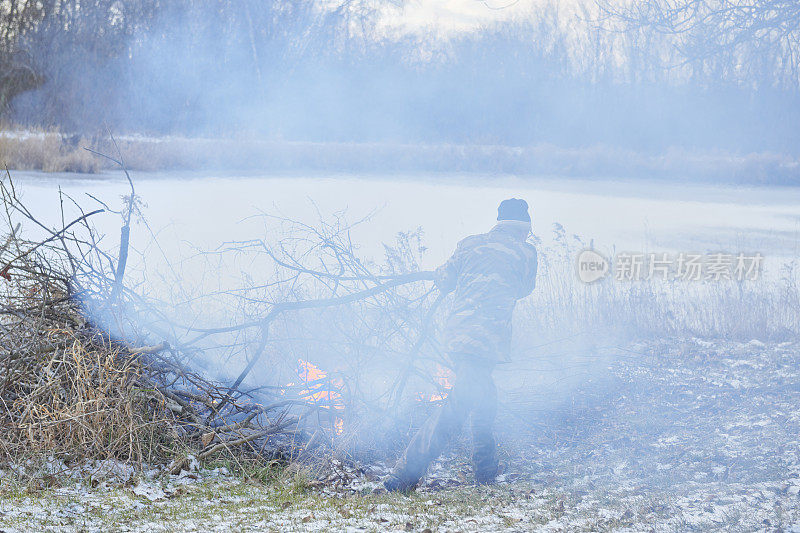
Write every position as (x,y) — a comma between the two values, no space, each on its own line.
(444,379)
(320,390)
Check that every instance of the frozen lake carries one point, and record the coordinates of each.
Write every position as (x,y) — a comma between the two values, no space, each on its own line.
(206,210)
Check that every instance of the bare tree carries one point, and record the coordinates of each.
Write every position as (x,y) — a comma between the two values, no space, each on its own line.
(758,39)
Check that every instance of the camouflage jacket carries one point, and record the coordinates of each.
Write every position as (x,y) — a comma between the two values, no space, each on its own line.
(489,273)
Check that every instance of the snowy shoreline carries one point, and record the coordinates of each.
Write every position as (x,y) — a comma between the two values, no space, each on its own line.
(699,435)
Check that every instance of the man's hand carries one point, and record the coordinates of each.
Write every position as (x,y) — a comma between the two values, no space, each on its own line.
(445,279)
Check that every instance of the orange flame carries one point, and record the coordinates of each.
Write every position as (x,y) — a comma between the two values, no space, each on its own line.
(312,374)
(443,377)
(316,389)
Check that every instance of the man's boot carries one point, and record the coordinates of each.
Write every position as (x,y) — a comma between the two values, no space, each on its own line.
(486,474)
(428,443)
(399,483)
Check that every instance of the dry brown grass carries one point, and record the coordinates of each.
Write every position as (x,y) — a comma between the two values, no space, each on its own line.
(46,150)
(83,398)
(67,389)
(51,151)
(765,309)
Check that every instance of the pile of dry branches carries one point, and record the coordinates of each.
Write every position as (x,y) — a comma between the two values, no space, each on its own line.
(94,369)
(73,390)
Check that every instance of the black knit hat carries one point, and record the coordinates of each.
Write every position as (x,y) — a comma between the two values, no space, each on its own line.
(513,209)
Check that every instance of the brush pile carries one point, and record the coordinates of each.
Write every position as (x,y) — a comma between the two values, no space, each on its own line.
(77,391)
(72,390)
(95,369)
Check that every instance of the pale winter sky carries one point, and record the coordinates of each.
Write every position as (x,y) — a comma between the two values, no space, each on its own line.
(461,15)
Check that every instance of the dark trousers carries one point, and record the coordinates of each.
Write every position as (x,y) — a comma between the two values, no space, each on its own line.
(473,394)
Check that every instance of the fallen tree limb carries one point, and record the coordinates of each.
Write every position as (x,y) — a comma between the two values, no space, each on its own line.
(311,304)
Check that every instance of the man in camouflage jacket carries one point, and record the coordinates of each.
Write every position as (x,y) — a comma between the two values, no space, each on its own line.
(489,273)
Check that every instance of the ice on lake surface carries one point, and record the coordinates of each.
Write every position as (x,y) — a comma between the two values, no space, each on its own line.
(207,209)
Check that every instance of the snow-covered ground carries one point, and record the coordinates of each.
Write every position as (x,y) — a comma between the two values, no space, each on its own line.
(693,436)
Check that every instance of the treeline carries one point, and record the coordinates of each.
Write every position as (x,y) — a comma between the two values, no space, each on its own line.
(49,44)
(291,70)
